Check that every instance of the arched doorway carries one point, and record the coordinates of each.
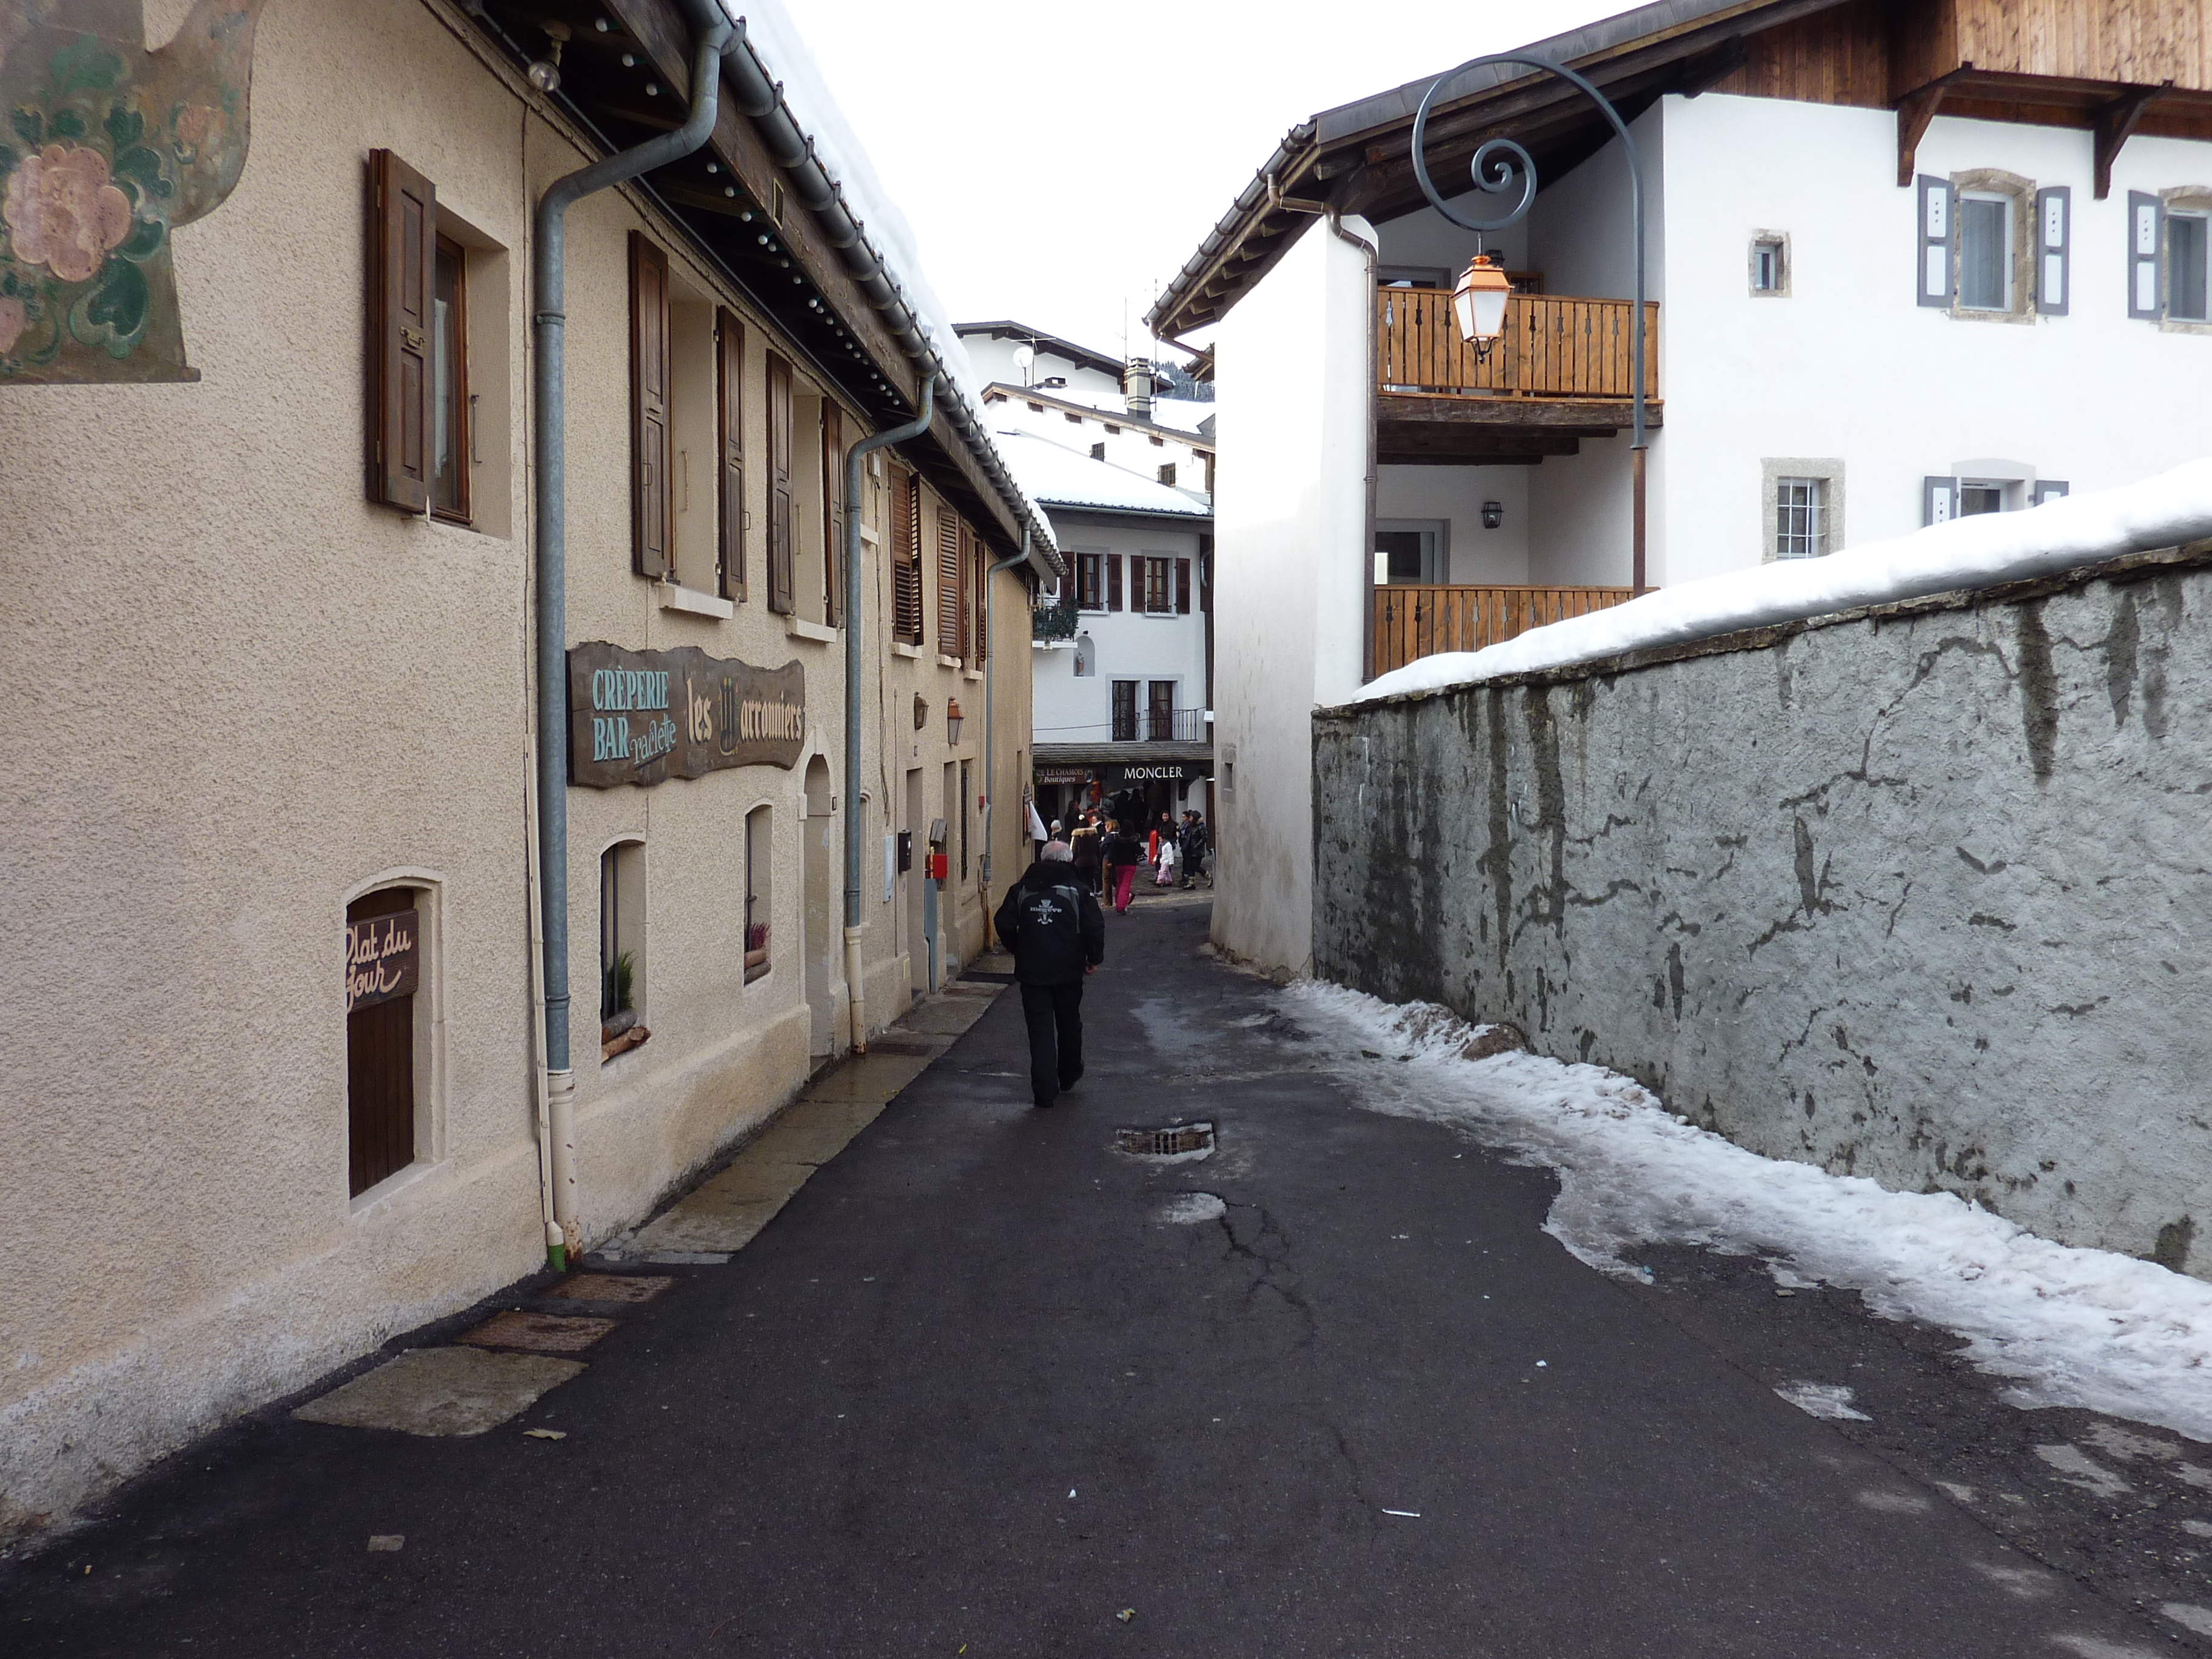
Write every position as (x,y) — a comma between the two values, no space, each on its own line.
(817,833)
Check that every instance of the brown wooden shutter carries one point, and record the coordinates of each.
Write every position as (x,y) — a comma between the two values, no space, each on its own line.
(1182,587)
(948,582)
(779,485)
(653,503)
(833,512)
(981,560)
(966,648)
(1113,581)
(403,285)
(906,558)
(730,436)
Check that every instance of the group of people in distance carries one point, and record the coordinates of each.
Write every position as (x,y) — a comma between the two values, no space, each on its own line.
(1106,853)
(1051,921)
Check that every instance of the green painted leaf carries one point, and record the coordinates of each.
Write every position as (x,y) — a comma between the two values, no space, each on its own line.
(125,126)
(123,298)
(30,126)
(65,123)
(144,240)
(8,158)
(144,166)
(86,62)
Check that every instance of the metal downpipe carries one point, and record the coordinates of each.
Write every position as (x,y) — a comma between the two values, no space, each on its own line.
(564,1238)
(855,994)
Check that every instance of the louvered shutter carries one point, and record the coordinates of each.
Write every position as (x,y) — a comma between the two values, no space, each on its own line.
(404,285)
(652,504)
(2146,235)
(948,582)
(966,633)
(1939,500)
(906,558)
(1937,201)
(779,485)
(730,437)
(1182,587)
(980,561)
(833,512)
(2054,232)
(2050,489)
(1113,581)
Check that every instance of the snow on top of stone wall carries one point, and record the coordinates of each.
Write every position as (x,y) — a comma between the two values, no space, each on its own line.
(2163,511)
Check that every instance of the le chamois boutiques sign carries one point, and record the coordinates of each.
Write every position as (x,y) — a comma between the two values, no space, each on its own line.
(642,717)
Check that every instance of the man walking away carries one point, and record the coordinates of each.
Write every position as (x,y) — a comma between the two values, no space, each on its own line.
(1057,934)
(1124,853)
(1084,843)
(1193,848)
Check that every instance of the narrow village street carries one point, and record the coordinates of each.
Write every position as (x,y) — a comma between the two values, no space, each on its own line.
(989,1385)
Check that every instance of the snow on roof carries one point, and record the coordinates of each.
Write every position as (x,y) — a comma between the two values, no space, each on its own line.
(782,50)
(1060,476)
(2165,511)
(1183,414)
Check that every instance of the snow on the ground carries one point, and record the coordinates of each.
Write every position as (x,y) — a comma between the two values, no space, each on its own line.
(1982,551)
(2067,1326)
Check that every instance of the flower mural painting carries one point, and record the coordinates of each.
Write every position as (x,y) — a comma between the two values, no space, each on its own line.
(105,150)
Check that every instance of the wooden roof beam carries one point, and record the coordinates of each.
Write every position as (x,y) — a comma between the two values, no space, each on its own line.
(1914,112)
(2115,122)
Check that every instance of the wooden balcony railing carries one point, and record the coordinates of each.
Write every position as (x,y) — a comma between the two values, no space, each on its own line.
(1413,622)
(1553,347)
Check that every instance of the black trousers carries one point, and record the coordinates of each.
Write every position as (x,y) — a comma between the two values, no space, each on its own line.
(1054,1014)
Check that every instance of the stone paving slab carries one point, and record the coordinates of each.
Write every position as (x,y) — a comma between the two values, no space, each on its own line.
(608,1287)
(949,1017)
(441,1392)
(538,1332)
(870,1076)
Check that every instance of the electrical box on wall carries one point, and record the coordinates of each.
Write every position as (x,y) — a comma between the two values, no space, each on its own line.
(938,863)
(906,850)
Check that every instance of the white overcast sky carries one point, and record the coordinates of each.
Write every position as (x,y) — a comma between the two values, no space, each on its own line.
(1058,161)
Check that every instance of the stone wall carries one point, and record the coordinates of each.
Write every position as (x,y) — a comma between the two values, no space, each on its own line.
(1919,893)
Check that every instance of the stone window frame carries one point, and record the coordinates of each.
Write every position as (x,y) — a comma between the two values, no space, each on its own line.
(1759,239)
(2190,198)
(1829,469)
(1995,181)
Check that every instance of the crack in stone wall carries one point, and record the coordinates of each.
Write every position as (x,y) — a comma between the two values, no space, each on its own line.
(1922,896)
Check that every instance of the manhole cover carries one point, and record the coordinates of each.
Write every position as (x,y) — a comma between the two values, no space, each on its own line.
(1178,1140)
(543,1333)
(608,1287)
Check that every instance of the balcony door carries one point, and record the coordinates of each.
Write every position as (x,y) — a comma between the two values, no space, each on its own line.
(1408,554)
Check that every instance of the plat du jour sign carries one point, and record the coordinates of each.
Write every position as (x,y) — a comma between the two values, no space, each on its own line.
(384,958)
(642,717)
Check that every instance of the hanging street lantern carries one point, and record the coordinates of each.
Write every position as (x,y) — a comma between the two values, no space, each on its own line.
(953,721)
(1480,300)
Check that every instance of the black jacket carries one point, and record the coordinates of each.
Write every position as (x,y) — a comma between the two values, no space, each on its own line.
(1123,849)
(1053,925)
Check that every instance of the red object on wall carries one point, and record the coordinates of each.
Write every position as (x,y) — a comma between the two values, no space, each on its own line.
(938,862)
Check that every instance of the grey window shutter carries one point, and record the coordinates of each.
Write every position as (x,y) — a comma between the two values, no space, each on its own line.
(2146,235)
(1937,201)
(1939,500)
(2050,489)
(2054,231)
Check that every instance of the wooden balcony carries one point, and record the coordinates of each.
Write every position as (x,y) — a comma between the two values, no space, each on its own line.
(1560,372)
(1413,622)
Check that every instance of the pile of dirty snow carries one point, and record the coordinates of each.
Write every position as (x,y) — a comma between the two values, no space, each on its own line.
(2166,511)
(2069,1327)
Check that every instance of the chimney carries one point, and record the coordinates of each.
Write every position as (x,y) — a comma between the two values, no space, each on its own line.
(1137,388)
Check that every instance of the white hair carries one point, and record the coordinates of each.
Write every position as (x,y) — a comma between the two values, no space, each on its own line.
(1057,852)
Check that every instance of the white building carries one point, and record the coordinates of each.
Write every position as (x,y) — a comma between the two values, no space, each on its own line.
(1122,664)
(1893,273)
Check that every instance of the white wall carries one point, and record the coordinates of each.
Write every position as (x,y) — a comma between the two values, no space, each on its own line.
(1130,645)
(1290,562)
(1455,494)
(994,360)
(1850,365)
(1427,238)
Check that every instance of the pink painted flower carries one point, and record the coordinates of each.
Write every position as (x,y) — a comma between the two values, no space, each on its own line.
(199,126)
(63,213)
(13,319)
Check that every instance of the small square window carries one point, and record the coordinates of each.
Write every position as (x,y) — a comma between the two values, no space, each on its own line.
(1980,498)
(1770,264)
(2185,262)
(1801,518)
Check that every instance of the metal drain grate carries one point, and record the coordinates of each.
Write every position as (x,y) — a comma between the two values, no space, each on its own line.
(1177,1142)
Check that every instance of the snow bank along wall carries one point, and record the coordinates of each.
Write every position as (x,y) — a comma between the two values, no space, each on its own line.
(1922,892)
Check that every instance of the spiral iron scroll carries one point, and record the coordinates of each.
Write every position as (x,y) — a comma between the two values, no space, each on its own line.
(1498,160)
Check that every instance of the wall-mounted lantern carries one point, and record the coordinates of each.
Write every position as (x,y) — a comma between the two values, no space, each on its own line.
(953,721)
(1480,302)
(920,713)
(1493,515)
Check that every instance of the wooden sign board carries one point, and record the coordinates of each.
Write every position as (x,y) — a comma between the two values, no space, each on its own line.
(642,717)
(384,958)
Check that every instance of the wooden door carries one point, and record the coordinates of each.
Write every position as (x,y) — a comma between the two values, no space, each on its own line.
(380,1070)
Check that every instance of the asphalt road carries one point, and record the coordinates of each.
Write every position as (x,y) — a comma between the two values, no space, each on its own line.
(975,1393)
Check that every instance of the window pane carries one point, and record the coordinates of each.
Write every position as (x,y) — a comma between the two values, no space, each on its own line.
(1981,498)
(447,379)
(1403,550)
(1983,253)
(2185,272)
(1125,711)
(1801,527)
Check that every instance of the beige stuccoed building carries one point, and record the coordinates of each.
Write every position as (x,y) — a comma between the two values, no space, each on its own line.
(273,990)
